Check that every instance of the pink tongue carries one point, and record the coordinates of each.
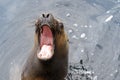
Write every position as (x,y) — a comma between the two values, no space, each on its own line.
(46,37)
(46,44)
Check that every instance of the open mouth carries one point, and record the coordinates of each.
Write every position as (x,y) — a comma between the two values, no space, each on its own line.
(46,44)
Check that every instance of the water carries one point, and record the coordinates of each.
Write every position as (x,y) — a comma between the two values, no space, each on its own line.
(102,38)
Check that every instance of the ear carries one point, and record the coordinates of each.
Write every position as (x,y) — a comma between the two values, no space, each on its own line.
(37,22)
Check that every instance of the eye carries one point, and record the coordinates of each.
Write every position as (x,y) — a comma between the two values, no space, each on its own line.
(37,22)
(61,26)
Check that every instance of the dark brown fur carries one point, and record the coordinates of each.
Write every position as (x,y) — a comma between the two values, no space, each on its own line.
(53,69)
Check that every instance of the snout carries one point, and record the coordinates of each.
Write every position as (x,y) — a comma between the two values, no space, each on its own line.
(47,19)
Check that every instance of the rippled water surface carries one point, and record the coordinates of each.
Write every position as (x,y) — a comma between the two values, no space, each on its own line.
(93,27)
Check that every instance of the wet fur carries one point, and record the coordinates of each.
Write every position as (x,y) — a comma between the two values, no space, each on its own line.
(53,69)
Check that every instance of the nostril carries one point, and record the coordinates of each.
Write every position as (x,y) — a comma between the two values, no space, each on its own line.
(43,15)
(48,15)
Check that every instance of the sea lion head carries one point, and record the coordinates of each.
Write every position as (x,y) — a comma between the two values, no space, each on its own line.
(47,28)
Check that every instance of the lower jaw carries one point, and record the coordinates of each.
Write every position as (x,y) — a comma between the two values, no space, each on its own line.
(46,52)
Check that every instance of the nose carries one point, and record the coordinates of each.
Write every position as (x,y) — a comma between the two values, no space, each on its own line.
(48,17)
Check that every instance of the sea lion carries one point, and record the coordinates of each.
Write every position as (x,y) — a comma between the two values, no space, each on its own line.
(49,57)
